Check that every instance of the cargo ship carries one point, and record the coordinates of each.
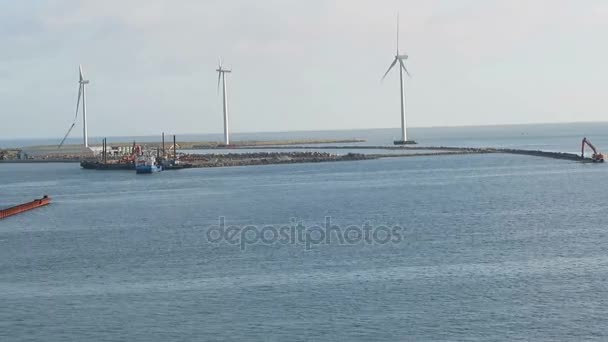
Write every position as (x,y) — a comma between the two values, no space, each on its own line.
(147,164)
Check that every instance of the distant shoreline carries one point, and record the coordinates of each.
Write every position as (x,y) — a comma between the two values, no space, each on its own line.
(220,159)
(566,124)
(189,145)
(246,152)
(266,143)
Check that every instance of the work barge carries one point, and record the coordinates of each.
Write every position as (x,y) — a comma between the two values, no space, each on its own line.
(21,208)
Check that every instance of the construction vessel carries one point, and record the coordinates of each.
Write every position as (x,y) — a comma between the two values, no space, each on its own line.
(147,164)
(140,158)
(596,157)
(126,161)
(18,209)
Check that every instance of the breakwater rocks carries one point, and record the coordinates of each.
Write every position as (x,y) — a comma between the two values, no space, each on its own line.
(266,158)
(554,155)
(533,153)
(312,155)
(187,161)
(440,150)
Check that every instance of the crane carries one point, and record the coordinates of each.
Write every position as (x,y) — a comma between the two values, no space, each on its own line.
(136,151)
(596,157)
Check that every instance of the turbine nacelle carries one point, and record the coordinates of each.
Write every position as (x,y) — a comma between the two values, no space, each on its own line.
(398,59)
(221,69)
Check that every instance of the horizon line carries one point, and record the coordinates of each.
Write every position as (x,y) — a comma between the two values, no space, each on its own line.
(325,130)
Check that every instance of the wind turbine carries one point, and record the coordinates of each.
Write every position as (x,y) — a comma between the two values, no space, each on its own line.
(82,82)
(222,77)
(400,58)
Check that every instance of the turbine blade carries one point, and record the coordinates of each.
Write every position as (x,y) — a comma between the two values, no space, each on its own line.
(404,68)
(219,78)
(80,86)
(78,101)
(397,33)
(389,69)
(66,136)
(80,71)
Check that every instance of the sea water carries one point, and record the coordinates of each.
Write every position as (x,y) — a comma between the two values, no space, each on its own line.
(490,247)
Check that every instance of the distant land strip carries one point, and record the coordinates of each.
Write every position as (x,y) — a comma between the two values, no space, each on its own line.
(264,143)
(10,156)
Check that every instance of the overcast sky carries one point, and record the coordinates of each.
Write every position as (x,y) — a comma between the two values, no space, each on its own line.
(298,65)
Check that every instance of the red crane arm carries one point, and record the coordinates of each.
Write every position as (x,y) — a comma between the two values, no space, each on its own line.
(588,143)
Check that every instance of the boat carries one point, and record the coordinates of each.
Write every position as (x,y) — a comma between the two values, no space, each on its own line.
(97,165)
(18,209)
(147,164)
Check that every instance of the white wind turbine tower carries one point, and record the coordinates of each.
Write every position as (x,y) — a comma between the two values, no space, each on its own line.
(222,77)
(400,58)
(81,93)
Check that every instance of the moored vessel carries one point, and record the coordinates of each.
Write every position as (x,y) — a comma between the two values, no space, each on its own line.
(18,209)
(147,164)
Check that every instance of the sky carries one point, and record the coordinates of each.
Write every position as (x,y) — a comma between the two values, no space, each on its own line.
(298,65)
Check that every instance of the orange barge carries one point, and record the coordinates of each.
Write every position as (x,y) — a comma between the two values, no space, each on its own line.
(18,209)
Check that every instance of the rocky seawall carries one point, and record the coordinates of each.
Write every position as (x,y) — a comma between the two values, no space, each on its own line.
(233,159)
(312,155)
(267,158)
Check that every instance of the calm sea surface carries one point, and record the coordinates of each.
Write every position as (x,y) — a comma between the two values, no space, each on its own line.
(491,247)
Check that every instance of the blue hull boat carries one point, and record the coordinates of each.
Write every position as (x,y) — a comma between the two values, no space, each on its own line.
(148,169)
(147,164)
